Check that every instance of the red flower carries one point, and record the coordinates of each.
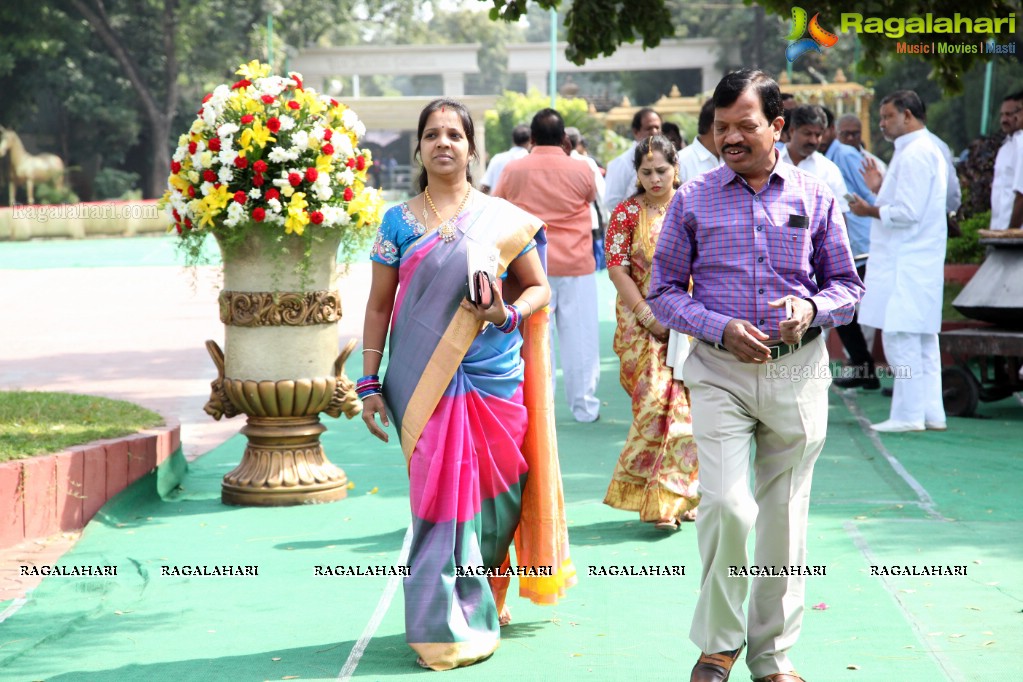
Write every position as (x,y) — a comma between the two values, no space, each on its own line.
(259,166)
(258,214)
(292,104)
(188,223)
(192,146)
(175,167)
(240,197)
(267,99)
(257,180)
(311,174)
(241,162)
(360,163)
(209,176)
(316,217)
(272,193)
(207,98)
(327,134)
(327,149)
(333,102)
(294,77)
(191,191)
(273,124)
(248,118)
(295,179)
(178,227)
(214,144)
(349,194)
(350,162)
(243,83)
(177,217)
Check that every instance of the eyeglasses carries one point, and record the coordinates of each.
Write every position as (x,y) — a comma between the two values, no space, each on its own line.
(849,133)
(1011,113)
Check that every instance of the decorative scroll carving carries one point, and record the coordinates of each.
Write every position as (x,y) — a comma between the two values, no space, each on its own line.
(219,405)
(345,400)
(279,309)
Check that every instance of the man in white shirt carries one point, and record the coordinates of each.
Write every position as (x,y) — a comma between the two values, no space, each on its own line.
(1008,168)
(621,173)
(702,155)
(520,147)
(807,124)
(906,274)
(573,140)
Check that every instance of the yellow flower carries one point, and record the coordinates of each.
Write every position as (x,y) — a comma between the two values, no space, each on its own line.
(253,70)
(297,217)
(256,134)
(368,205)
(212,204)
(323,164)
(179,183)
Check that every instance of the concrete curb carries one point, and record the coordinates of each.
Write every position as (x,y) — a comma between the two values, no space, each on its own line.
(40,496)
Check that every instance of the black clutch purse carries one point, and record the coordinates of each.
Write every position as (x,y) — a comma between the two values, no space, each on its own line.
(481,289)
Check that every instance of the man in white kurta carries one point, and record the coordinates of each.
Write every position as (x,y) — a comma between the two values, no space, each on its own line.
(621,170)
(1007,163)
(702,155)
(906,274)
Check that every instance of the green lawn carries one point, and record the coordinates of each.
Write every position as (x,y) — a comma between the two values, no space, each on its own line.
(33,423)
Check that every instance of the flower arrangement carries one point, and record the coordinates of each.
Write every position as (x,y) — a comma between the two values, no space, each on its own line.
(268,153)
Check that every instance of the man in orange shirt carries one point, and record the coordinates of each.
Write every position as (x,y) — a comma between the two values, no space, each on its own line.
(559,190)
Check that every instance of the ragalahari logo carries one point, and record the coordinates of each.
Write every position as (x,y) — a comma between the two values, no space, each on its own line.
(798,45)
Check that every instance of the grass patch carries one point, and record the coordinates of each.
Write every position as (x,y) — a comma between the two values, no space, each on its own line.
(35,422)
(948,313)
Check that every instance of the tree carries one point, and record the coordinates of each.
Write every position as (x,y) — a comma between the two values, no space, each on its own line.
(947,69)
(597,27)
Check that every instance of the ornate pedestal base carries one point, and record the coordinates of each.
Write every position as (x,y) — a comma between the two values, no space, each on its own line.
(284,464)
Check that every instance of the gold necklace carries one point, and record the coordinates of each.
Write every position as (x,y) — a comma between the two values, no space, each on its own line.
(447,228)
(661,208)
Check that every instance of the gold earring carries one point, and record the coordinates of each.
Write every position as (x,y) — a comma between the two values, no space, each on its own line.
(639,184)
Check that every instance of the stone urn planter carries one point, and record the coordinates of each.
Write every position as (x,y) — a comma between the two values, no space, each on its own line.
(273,170)
(281,368)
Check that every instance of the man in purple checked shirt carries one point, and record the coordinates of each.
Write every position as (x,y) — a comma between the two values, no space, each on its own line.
(766,246)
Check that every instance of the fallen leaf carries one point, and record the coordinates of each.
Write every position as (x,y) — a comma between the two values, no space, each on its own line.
(276,658)
(374,491)
(860,518)
(290,677)
(351,485)
(988,643)
(576,655)
(973,608)
(821,607)
(852,667)
(977,561)
(987,632)
(935,634)
(956,636)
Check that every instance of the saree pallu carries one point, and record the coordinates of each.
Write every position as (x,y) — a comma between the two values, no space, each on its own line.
(468,433)
(656,474)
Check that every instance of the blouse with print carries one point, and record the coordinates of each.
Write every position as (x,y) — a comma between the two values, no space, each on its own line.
(618,241)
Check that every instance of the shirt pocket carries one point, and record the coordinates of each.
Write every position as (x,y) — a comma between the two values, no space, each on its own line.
(788,248)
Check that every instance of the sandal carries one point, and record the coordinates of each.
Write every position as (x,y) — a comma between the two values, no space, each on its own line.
(689,515)
(505,617)
(667,524)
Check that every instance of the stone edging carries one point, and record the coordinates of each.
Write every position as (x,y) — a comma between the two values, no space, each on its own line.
(48,494)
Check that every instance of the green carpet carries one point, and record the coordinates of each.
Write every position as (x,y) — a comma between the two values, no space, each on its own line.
(287,623)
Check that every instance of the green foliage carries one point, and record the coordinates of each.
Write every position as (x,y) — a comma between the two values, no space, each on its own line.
(967,247)
(514,108)
(111,183)
(34,423)
(48,194)
(597,27)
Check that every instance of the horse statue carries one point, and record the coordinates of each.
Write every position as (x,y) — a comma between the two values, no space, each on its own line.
(28,169)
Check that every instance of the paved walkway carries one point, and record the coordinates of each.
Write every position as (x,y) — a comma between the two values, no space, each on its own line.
(921,500)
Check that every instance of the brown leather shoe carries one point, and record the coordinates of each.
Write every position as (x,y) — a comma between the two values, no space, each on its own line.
(781,677)
(715,667)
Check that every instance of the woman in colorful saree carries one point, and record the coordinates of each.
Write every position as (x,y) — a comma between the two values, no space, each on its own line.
(468,387)
(656,473)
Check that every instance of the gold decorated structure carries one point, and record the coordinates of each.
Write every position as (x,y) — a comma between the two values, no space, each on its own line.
(281,368)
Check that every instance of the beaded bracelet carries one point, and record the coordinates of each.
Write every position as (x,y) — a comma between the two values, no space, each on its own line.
(511,322)
(368,385)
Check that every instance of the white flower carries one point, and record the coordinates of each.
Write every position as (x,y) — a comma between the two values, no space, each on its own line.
(255,193)
(225,175)
(274,205)
(281,155)
(299,142)
(349,119)
(335,216)
(227,130)
(226,155)
(287,122)
(342,147)
(235,214)
(317,132)
(205,188)
(346,177)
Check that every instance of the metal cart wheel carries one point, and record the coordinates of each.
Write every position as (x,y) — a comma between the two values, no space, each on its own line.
(960,391)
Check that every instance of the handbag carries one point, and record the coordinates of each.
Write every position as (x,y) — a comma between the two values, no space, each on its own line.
(598,239)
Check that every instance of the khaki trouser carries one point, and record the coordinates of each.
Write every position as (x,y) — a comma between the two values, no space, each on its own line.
(781,407)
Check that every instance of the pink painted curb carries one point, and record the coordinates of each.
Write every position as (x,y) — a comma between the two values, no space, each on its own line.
(49,494)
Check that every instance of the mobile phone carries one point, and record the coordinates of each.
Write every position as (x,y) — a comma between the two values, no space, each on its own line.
(788,308)
(851,198)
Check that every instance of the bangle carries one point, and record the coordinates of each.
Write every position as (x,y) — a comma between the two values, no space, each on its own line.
(368,385)
(373,350)
(525,302)
(511,322)
(638,303)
